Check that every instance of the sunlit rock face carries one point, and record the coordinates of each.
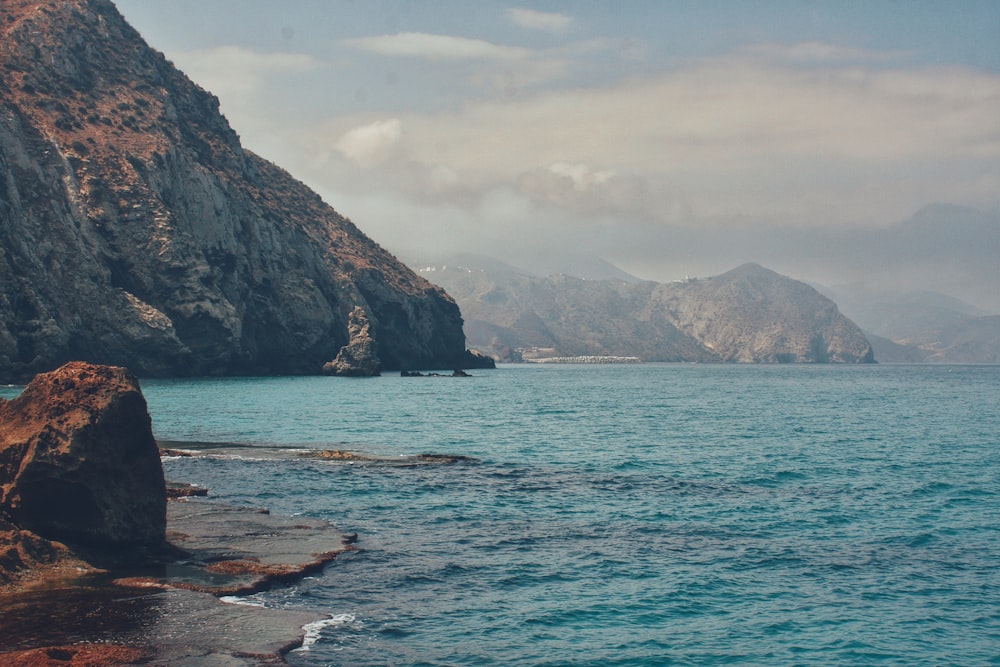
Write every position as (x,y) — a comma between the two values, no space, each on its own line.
(747,315)
(78,462)
(135,230)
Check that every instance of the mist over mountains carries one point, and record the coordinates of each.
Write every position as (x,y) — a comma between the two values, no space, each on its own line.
(749,314)
(942,248)
(507,306)
(923,289)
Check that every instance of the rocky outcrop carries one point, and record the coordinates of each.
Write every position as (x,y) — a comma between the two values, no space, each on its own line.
(358,358)
(78,462)
(136,231)
(750,314)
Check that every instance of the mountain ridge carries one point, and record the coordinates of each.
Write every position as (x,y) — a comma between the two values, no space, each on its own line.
(137,231)
(749,314)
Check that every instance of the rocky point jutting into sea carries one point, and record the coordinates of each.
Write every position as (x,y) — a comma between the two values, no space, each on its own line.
(136,230)
(97,568)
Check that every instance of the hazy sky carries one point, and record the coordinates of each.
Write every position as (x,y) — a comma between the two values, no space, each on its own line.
(651,133)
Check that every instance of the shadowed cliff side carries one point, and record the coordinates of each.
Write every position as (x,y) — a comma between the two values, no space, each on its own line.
(135,230)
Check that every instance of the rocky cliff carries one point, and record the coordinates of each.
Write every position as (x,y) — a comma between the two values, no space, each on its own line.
(135,229)
(750,314)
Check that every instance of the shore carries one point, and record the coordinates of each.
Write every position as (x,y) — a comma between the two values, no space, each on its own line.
(169,611)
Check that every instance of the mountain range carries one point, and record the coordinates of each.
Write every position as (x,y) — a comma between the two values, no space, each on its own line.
(136,230)
(749,314)
(920,325)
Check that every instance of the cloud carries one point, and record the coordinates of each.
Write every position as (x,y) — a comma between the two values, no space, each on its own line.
(581,175)
(233,71)
(536,20)
(717,159)
(818,52)
(437,47)
(369,144)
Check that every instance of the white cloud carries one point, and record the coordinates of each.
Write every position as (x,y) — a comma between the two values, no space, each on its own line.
(536,20)
(369,144)
(817,52)
(231,71)
(437,47)
(582,176)
(731,138)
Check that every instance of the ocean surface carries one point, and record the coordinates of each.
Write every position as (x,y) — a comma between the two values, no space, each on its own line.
(650,514)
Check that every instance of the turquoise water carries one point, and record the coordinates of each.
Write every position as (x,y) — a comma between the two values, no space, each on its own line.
(630,515)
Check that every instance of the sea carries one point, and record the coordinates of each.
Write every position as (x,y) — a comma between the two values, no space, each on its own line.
(640,514)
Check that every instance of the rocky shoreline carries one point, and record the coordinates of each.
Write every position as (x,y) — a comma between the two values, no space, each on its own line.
(83,582)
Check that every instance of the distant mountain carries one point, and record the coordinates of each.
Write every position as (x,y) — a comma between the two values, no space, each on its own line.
(972,340)
(135,229)
(897,314)
(749,315)
(920,326)
(944,249)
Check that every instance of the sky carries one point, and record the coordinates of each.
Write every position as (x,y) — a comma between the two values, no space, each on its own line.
(669,138)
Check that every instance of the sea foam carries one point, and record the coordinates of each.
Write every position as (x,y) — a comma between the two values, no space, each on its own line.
(314,629)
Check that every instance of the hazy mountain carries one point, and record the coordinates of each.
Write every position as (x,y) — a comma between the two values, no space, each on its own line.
(897,314)
(920,326)
(945,249)
(749,314)
(942,248)
(135,229)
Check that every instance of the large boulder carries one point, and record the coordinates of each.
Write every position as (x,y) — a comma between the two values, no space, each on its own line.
(78,462)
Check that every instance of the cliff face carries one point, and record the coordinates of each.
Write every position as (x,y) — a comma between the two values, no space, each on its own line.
(135,230)
(749,314)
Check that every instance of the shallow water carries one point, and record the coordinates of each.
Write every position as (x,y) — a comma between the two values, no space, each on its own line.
(628,515)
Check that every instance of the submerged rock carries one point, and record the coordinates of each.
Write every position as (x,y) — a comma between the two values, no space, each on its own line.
(78,462)
(235,550)
(105,624)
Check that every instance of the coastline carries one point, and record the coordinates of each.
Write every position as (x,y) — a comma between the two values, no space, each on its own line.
(170,611)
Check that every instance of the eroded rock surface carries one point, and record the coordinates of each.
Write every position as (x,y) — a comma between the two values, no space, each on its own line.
(78,462)
(359,358)
(232,550)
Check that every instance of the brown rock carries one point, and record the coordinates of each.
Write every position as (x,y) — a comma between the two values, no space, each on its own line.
(84,655)
(27,559)
(78,462)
